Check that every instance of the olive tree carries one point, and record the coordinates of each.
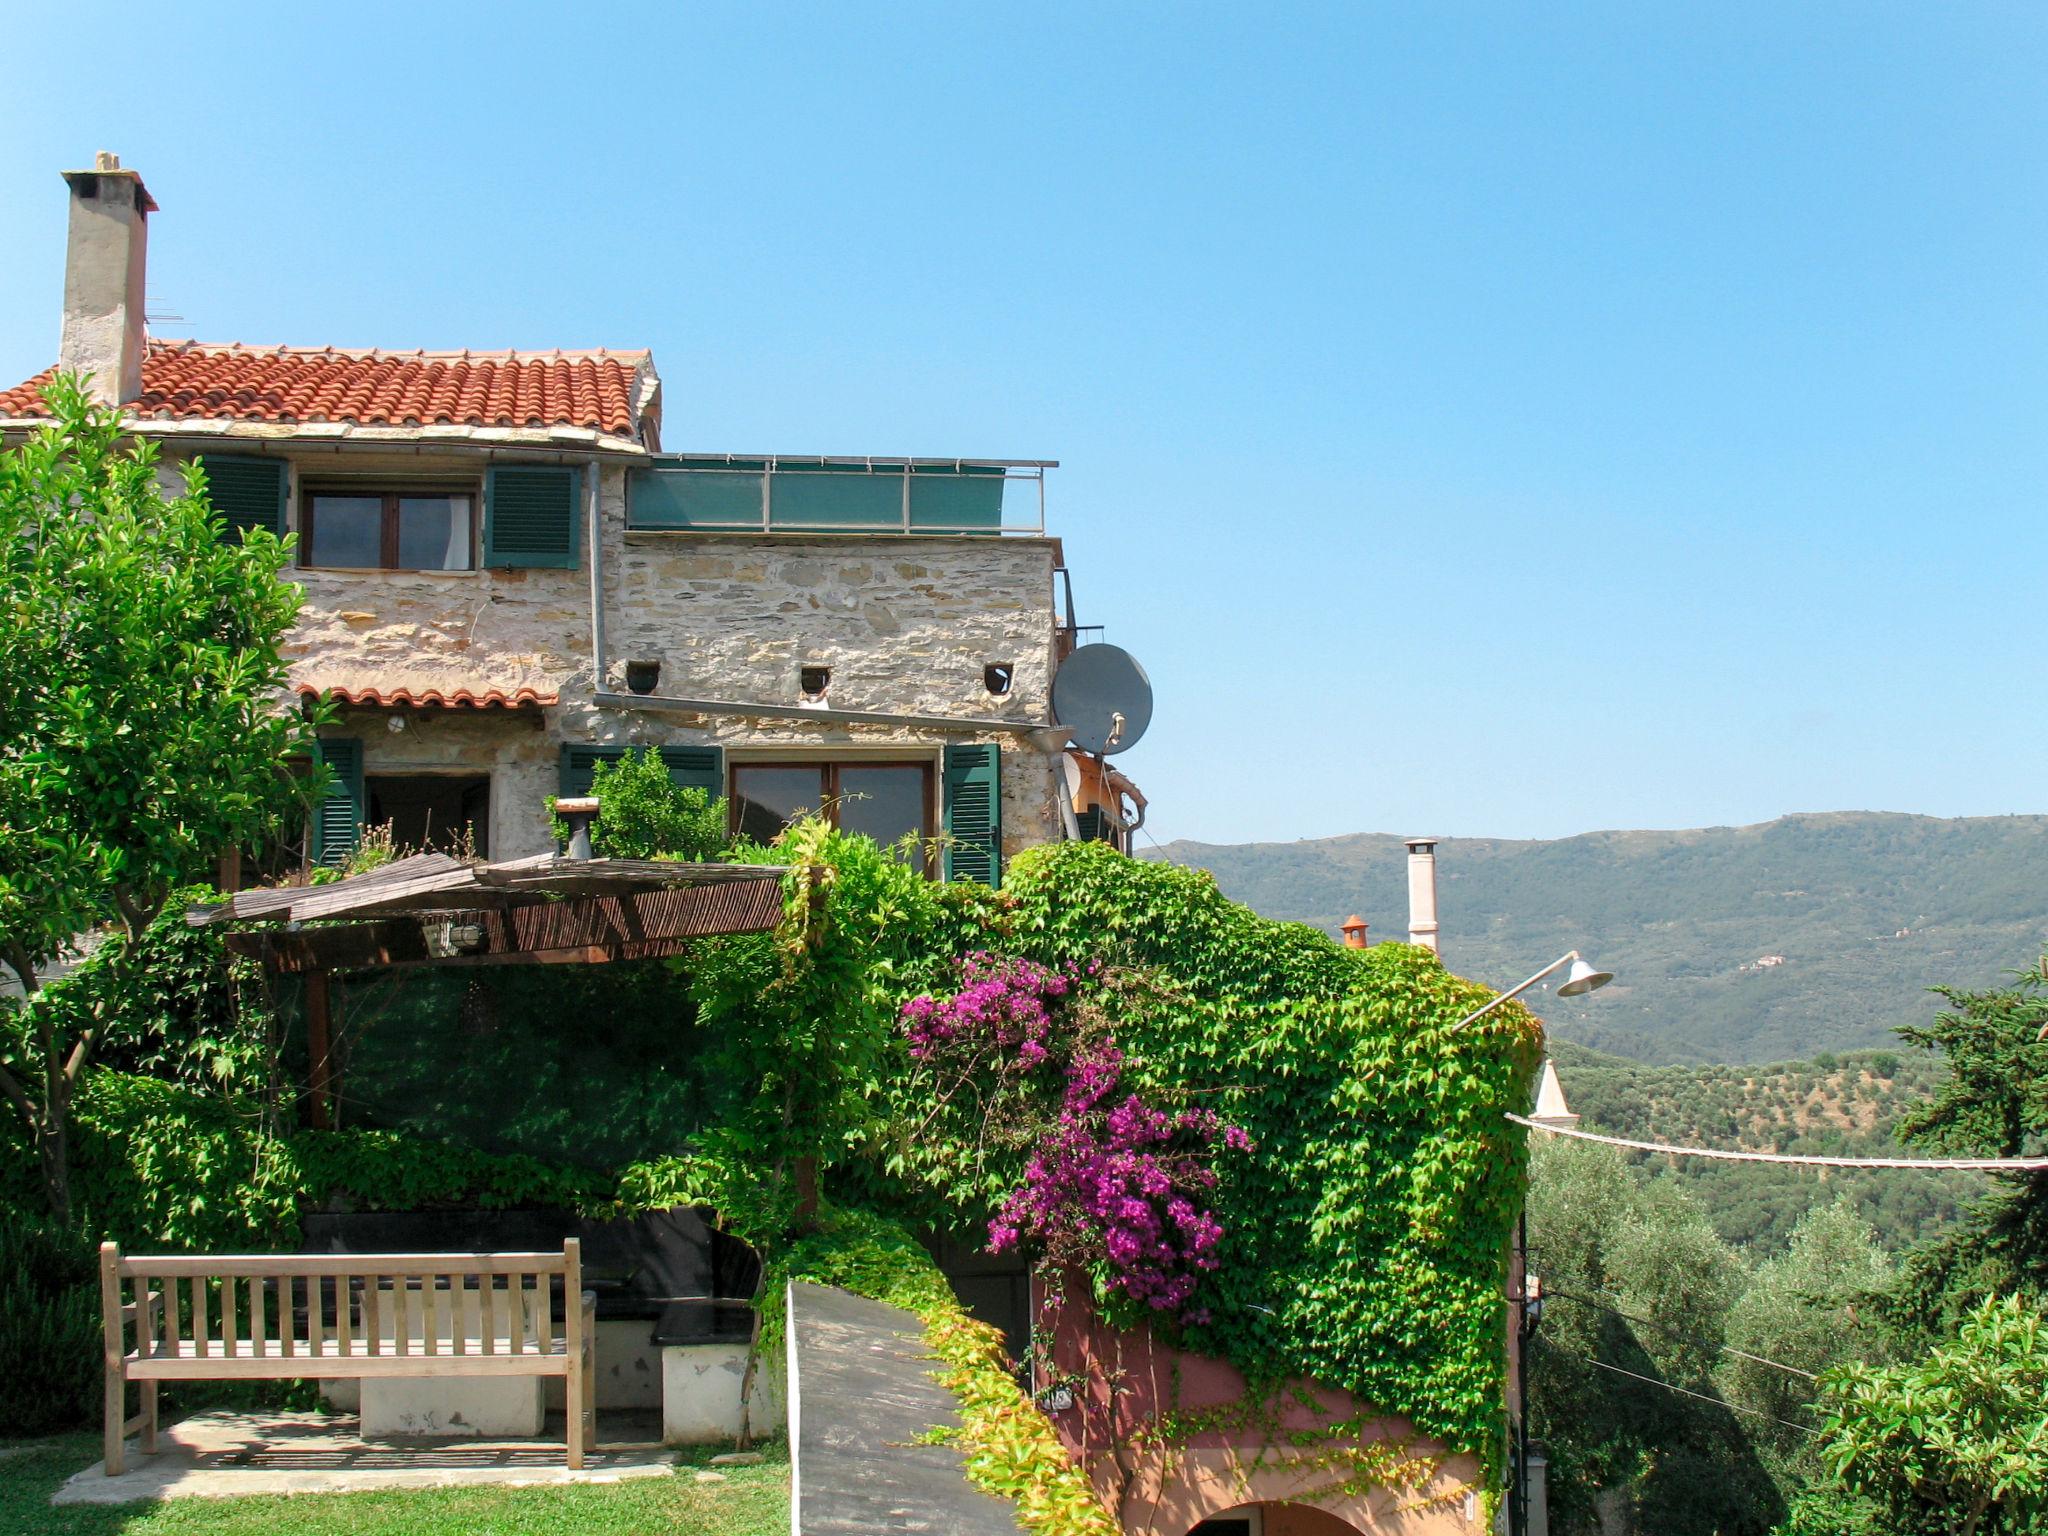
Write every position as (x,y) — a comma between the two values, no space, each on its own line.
(143,723)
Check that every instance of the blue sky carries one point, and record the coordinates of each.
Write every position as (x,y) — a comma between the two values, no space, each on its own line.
(1481,419)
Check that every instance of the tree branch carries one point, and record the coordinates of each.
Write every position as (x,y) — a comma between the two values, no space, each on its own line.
(10,1086)
(133,918)
(75,1062)
(19,962)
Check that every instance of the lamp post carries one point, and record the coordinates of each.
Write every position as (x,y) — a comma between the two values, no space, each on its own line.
(1579,980)
(1581,977)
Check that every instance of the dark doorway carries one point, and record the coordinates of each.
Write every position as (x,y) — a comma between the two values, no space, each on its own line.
(449,812)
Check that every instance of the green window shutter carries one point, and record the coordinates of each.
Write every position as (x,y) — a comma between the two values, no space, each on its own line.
(697,768)
(247,493)
(579,768)
(531,514)
(974,813)
(338,819)
(690,767)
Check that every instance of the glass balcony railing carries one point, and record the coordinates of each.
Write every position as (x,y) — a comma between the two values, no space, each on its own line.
(729,493)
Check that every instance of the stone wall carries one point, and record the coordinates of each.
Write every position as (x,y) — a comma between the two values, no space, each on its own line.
(906,624)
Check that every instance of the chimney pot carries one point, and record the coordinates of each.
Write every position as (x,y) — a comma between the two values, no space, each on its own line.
(1354,932)
(579,814)
(105,267)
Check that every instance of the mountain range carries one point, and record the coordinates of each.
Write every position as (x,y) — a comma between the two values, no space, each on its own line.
(1728,944)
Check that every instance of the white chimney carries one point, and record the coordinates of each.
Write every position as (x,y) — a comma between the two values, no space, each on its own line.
(105,258)
(1422,891)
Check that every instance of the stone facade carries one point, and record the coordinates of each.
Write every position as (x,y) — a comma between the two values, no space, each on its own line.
(906,623)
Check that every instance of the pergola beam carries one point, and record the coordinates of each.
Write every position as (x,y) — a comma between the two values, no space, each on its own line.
(642,924)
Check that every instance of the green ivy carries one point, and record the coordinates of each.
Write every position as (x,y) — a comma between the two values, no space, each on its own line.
(1367,1235)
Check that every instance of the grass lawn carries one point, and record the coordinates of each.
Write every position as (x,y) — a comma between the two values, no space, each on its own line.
(751,1501)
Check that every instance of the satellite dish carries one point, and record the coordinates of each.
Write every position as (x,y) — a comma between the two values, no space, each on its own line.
(1102,696)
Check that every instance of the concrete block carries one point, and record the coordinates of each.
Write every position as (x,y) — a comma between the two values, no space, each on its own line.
(628,1365)
(452,1406)
(700,1394)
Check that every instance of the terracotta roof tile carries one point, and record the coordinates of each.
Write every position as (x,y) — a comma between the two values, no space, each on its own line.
(421,698)
(189,380)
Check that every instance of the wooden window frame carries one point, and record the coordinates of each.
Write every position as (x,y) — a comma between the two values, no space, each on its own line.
(387,533)
(829,770)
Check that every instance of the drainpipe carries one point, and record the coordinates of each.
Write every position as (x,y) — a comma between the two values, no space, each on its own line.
(594,517)
(1422,892)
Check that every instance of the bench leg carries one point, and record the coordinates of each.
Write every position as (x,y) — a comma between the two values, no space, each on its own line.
(148,1390)
(117,1421)
(590,1384)
(572,1410)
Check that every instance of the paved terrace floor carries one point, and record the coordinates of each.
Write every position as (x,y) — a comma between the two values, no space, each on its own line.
(219,1454)
(865,1393)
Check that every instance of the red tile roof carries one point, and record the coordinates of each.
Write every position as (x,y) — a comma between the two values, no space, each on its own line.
(190,380)
(421,698)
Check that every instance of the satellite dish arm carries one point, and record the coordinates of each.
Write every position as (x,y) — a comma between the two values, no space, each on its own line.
(1121,787)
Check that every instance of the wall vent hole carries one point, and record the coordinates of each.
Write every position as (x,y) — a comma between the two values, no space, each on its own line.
(814,681)
(997,676)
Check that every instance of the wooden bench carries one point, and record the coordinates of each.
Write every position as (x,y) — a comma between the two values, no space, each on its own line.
(244,1316)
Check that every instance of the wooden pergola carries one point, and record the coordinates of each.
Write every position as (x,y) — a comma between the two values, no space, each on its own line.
(432,909)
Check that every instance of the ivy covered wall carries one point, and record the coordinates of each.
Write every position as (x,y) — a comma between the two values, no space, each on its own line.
(1364,1229)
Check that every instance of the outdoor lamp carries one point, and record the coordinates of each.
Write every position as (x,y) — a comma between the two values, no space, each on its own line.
(1582,978)
(1579,980)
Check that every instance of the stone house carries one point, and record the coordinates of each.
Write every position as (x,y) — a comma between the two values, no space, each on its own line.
(508,578)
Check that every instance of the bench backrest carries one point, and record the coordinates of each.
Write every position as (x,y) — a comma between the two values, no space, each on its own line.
(338,1307)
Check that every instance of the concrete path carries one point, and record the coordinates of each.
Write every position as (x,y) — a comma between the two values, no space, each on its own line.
(863,1393)
(219,1454)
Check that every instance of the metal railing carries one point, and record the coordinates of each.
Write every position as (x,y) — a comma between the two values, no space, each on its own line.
(782,493)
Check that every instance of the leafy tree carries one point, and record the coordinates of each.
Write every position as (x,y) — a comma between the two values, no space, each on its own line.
(1993,1103)
(1637,1281)
(1956,1441)
(646,815)
(141,727)
(1810,1307)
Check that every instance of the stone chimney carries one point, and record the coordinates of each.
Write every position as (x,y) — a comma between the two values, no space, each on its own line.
(105,258)
(1422,891)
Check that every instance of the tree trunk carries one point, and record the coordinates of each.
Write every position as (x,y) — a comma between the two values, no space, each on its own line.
(53,1152)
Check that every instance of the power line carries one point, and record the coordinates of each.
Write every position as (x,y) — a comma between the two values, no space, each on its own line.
(1755,1413)
(1650,1322)
(1942,1164)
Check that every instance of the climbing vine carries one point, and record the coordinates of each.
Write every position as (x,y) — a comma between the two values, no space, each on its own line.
(1365,1231)
(1111,1184)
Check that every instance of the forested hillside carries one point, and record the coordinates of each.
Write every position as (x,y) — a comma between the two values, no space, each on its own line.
(1729,944)
(1844,1105)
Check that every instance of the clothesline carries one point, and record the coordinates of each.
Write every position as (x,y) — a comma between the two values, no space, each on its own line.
(1941,1164)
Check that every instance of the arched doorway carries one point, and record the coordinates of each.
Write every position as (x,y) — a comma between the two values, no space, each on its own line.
(1274,1519)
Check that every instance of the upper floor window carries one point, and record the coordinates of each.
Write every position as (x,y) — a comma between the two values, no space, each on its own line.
(358,528)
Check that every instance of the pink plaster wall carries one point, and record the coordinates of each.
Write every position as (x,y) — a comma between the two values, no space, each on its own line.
(1161,1490)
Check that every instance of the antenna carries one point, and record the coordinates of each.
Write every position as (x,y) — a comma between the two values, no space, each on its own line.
(1102,696)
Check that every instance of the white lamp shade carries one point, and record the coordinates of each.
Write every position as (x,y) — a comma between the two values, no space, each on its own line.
(1582,978)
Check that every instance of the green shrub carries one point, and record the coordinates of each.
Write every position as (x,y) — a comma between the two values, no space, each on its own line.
(49,1326)
(646,815)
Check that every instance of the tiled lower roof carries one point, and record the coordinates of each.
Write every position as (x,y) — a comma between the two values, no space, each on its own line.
(422,698)
(201,381)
